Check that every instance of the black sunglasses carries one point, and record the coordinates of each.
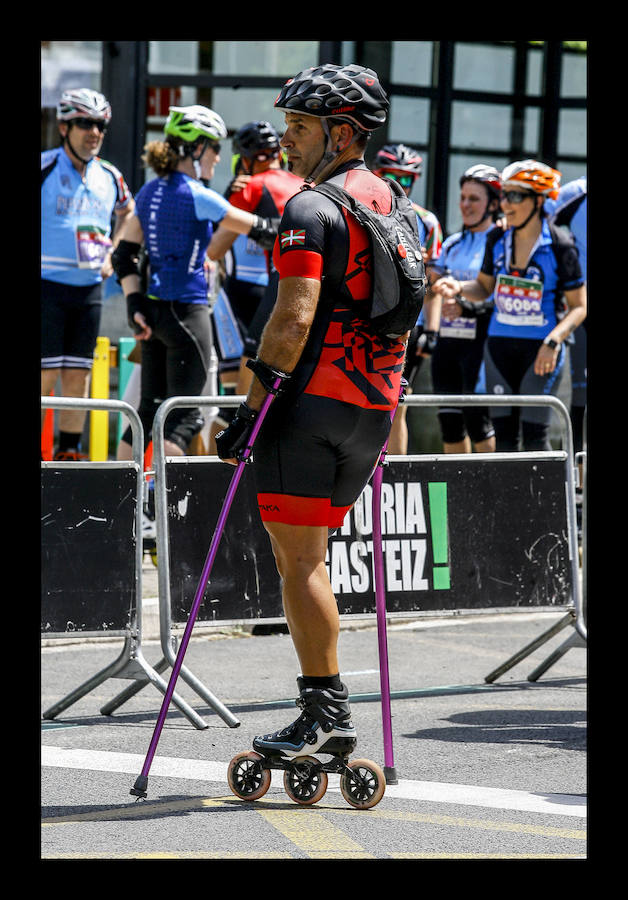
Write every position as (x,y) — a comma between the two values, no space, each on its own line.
(516,197)
(88,124)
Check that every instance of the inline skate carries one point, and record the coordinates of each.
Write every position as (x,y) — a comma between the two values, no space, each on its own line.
(324,727)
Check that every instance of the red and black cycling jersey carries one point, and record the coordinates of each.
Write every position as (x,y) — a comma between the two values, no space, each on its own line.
(343,358)
(266,193)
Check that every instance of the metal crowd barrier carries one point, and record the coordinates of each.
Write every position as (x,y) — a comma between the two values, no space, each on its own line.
(574,615)
(130,664)
(168,640)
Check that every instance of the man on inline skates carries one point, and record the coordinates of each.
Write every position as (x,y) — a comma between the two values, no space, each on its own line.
(322,436)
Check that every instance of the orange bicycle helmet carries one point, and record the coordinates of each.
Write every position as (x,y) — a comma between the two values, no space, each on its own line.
(532,175)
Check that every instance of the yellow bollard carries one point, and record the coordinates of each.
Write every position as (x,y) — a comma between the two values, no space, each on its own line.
(99,418)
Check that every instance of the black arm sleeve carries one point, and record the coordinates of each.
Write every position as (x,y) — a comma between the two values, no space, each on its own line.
(125,259)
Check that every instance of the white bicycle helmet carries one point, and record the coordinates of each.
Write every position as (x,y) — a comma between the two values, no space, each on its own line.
(79,103)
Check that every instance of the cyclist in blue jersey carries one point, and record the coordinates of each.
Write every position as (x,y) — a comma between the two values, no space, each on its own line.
(81,195)
(569,211)
(528,267)
(174,221)
(405,165)
(457,355)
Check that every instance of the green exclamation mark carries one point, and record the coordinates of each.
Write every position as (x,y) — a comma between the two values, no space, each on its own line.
(437,494)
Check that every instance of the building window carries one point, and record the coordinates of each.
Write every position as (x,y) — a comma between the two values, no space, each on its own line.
(534,80)
(572,132)
(284,58)
(411,63)
(486,125)
(408,120)
(479,67)
(573,82)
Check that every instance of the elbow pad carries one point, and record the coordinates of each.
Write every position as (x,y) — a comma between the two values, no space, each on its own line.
(125,259)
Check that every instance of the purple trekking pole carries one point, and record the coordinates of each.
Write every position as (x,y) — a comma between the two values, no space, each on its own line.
(141,782)
(380,606)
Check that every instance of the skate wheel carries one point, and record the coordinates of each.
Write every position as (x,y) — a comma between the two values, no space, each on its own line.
(305,782)
(247,779)
(364,784)
(153,556)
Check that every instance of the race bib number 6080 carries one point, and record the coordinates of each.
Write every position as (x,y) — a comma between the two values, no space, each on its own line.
(518,301)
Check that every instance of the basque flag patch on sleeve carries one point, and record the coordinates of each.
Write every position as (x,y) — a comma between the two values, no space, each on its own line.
(292,238)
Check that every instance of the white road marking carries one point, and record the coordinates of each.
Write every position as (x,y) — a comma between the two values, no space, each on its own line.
(406,789)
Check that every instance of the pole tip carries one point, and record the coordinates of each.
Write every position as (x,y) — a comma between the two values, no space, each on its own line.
(390,774)
(139,788)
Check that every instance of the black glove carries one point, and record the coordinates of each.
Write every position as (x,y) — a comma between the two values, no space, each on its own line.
(264,232)
(471,310)
(232,441)
(136,302)
(427,342)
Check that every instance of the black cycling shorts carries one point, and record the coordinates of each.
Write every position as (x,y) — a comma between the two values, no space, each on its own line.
(70,319)
(456,364)
(313,457)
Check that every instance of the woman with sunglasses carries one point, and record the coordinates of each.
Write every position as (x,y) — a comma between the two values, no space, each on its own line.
(533,271)
(174,222)
(80,195)
(404,165)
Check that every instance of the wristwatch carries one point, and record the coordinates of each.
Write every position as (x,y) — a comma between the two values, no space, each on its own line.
(550,343)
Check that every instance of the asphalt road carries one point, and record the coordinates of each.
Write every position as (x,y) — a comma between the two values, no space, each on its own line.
(485,771)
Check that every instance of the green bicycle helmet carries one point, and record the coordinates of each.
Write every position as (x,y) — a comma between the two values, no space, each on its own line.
(193,123)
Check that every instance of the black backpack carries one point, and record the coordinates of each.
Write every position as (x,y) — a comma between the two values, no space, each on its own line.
(399,280)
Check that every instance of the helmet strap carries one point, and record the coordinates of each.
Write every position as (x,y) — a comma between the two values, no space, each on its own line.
(535,209)
(66,140)
(196,159)
(484,217)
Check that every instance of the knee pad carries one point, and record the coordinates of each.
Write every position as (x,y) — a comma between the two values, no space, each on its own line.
(182,425)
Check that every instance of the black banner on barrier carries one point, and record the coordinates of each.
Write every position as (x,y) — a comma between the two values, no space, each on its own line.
(457,534)
(87,548)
